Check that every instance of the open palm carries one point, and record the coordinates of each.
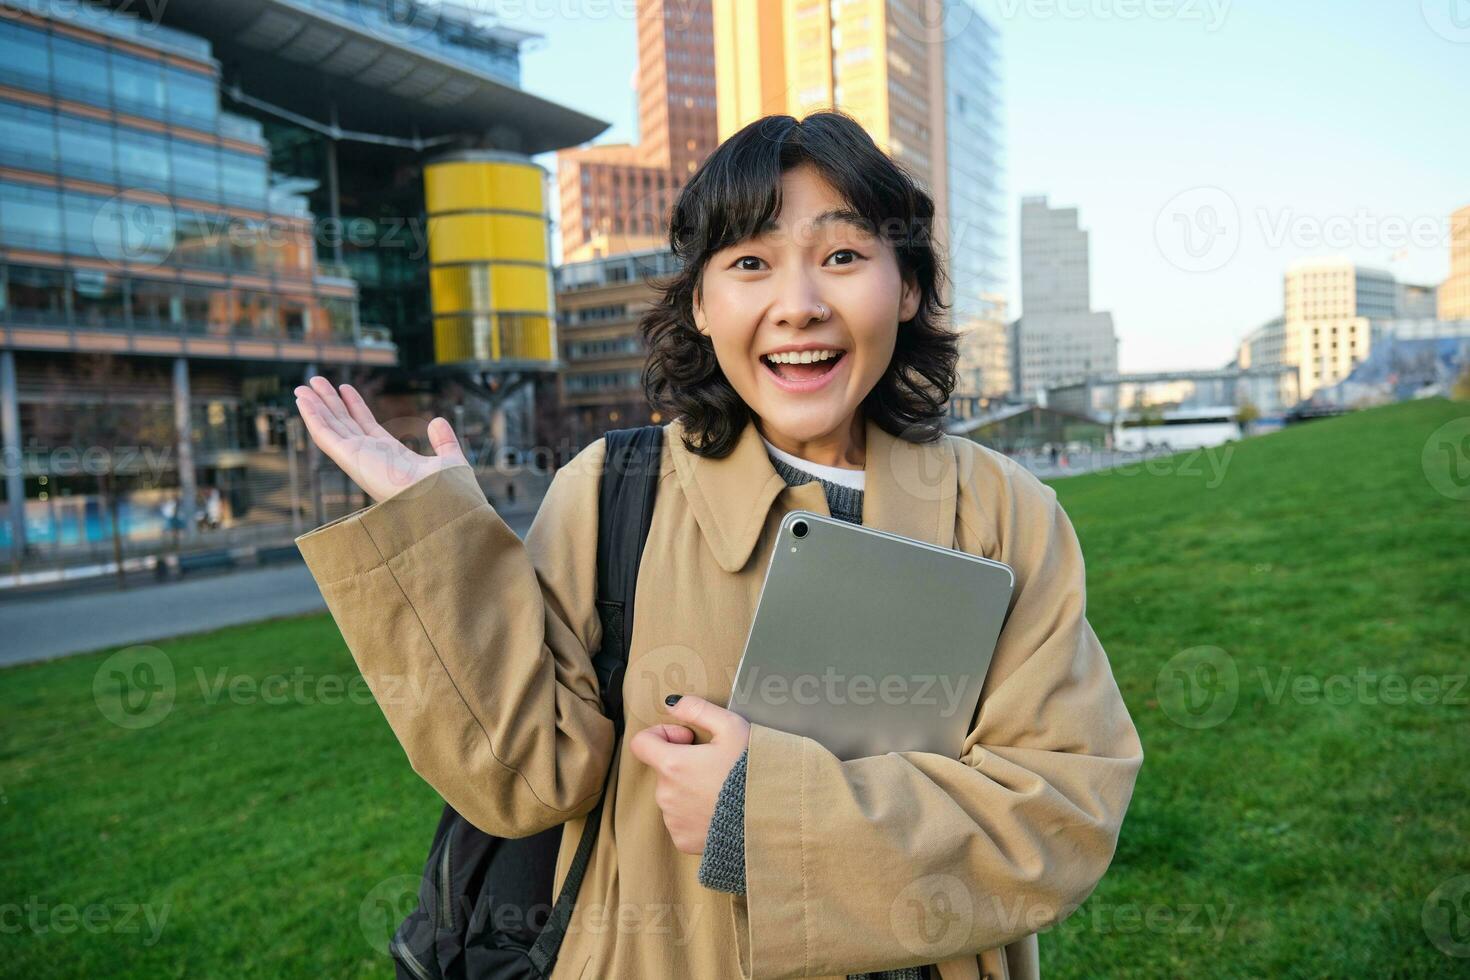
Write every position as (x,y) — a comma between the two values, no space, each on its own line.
(343,427)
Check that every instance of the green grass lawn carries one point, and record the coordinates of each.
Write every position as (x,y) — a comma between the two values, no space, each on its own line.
(1293,819)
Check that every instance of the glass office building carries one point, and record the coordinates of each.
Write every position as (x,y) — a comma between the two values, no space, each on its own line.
(128,200)
(201,208)
(975,161)
(159,298)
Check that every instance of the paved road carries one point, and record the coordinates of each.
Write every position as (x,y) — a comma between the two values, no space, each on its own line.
(45,627)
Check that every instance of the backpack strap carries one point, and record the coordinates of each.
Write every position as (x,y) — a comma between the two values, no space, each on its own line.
(625,511)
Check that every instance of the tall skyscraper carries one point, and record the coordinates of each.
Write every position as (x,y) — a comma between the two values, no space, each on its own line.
(615,198)
(1059,336)
(1454,294)
(923,78)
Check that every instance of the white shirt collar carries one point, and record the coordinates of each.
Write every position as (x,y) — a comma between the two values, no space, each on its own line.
(834,474)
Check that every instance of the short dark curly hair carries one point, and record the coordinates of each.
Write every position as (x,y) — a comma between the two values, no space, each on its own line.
(732,195)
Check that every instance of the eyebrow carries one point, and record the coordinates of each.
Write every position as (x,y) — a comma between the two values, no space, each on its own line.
(845,215)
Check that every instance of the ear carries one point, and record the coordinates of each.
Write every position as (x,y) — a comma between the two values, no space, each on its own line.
(908,302)
(700,322)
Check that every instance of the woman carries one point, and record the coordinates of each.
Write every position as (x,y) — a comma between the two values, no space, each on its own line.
(730,849)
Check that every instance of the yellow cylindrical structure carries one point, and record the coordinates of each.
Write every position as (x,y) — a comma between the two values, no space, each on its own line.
(489,258)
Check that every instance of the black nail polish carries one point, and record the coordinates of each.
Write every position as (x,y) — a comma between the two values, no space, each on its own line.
(672,699)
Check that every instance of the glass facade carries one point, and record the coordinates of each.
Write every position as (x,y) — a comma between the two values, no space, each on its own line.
(121,157)
(975,161)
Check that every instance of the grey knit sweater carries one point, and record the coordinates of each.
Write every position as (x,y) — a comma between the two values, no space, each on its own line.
(723,865)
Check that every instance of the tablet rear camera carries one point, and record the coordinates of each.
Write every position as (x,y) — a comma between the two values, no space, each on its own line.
(798,528)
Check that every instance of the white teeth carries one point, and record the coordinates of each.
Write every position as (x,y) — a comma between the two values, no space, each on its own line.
(802,357)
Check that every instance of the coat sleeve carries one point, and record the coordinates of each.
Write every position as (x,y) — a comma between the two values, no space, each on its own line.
(911,857)
(476,644)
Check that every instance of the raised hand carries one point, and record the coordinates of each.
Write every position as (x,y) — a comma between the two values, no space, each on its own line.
(344,428)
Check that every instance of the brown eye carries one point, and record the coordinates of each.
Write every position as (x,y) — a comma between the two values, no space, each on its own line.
(744,268)
(846,251)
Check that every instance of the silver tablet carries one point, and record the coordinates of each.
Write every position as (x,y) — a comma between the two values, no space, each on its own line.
(870,642)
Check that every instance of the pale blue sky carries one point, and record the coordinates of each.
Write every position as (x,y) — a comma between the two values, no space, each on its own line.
(1207,143)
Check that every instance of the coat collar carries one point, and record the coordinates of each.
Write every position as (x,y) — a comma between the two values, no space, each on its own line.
(909,489)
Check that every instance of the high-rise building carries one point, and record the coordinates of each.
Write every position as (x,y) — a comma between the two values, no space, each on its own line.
(926,87)
(1454,294)
(598,305)
(199,210)
(1327,308)
(1055,269)
(616,197)
(1059,337)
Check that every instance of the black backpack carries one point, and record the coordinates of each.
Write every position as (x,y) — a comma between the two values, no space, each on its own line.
(485,909)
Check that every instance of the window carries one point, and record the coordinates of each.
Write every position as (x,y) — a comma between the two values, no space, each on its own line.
(243,179)
(86,149)
(195,170)
(34,294)
(192,98)
(341,318)
(92,225)
(24,57)
(30,217)
(30,137)
(137,85)
(142,160)
(295,316)
(97,299)
(154,305)
(205,310)
(201,237)
(74,69)
(255,314)
(146,230)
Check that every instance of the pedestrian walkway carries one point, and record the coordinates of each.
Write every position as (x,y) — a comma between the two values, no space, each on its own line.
(45,627)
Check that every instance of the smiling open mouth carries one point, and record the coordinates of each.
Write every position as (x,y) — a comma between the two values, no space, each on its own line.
(805,367)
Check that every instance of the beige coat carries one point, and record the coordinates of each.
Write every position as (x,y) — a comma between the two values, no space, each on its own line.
(476,647)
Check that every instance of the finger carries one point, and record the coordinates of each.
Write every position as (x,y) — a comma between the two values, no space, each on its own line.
(333,402)
(325,433)
(692,709)
(358,409)
(324,428)
(652,748)
(675,734)
(444,441)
